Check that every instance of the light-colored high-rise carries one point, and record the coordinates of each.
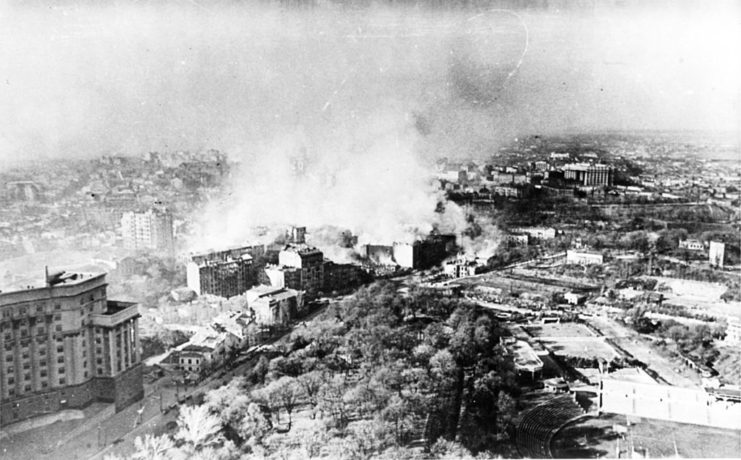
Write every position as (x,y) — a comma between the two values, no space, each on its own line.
(148,230)
(63,345)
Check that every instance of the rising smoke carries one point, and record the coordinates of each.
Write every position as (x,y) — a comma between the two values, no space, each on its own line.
(368,96)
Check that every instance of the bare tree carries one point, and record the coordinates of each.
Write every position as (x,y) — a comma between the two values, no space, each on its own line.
(284,393)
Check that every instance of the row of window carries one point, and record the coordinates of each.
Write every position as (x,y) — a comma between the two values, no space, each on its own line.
(27,388)
(41,308)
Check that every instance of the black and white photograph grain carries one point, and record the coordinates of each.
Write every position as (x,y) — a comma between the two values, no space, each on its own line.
(370,229)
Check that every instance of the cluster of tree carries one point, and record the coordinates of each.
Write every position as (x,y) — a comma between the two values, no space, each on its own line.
(146,278)
(728,364)
(160,340)
(368,377)
(692,340)
(507,254)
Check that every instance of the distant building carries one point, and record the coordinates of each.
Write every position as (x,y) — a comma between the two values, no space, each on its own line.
(537,233)
(194,358)
(509,191)
(339,277)
(733,332)
(225,273)
(692,245)
(460,268)
(589,174)
(274,306)
(575,298)
(560,155)
(207,349)
(379,254)
(65,345)
(296,235)
(424,253)
(420,254)
(148,230)
(310,263)
(517,239)
(717,253)
(584,258)
(280,276)
(23,190)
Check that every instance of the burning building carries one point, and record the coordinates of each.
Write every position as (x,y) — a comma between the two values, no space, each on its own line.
(421,254)
(225,273)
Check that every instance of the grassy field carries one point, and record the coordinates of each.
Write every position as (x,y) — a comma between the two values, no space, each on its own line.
(583,348)
(594,437)
(559,330)
(571,339)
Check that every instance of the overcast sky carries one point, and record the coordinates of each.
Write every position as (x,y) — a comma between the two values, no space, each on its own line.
(84,79)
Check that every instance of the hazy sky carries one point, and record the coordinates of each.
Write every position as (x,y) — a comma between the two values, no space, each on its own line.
(85,79)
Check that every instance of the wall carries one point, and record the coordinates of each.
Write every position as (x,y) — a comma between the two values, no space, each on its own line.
(664,402)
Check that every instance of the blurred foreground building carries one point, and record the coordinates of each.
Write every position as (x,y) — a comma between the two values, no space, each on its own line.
(65,345)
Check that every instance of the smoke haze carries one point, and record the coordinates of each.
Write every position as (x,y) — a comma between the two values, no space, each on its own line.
(369,95)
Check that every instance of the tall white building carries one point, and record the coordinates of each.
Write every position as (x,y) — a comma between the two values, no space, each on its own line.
(148,230)
(716,253)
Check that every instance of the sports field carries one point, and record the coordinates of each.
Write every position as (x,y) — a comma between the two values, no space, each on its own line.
(594,437)
(572,339)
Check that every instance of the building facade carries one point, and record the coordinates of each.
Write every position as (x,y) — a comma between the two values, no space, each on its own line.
(584,258)
(733,332)
(536,233)
(310,261)
(66,345)
(148,230)
(274,306)
(225,273)
(717,254)
(339,277)
(460,268)
(588,174)
(692,245)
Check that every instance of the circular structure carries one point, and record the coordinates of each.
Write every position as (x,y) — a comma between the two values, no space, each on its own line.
(538,426)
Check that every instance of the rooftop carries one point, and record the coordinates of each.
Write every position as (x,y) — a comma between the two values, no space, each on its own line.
(34,282)
(116,306)
(301,248)
(211,252)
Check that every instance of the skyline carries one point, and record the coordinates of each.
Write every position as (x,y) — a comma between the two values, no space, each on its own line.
(90,80)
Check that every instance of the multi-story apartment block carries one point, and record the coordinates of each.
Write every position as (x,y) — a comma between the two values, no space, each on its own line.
(65,345)
(225,273)
(148,230)
(310,261)
(339,277)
